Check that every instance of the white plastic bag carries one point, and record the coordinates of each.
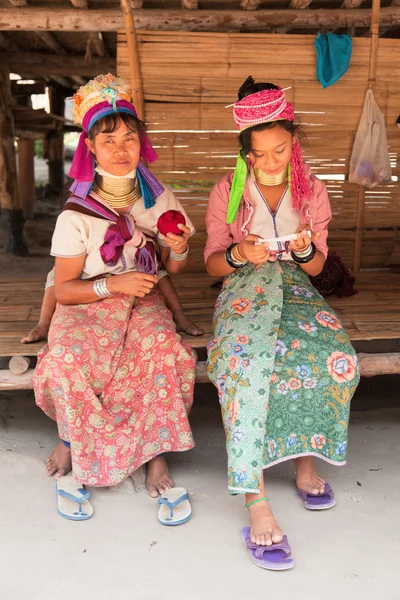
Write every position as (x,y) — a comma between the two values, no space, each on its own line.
(370,162)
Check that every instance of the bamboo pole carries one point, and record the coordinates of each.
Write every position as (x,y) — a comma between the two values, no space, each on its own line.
(359,229)
(133,57)
(373,57)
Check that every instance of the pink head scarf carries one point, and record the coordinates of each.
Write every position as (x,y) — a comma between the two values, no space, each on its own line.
(261,107)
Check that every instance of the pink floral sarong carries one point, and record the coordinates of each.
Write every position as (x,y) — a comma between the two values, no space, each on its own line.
(119,381)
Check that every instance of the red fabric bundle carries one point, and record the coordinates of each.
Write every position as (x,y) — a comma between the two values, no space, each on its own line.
(168,222)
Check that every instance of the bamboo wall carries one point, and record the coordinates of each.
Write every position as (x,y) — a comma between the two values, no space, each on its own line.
(188,78)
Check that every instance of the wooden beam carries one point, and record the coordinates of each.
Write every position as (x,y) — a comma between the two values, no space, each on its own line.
(370,365)
(192,4)
(250,4)
(299,4)
(26,134)
(80,4)
(133,57)
(385,30)
(7,43)
(52,42)
(96,42)
(35,65)
(351,3)
(34,19)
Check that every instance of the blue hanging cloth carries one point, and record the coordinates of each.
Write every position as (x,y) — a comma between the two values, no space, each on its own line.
(333,57)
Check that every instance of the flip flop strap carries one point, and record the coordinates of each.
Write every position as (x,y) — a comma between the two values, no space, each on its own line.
(80,500)
(327,493)
(172,505)
(260,550)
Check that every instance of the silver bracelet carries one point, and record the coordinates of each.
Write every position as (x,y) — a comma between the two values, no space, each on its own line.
(100,288)
(178,257)
(304,253)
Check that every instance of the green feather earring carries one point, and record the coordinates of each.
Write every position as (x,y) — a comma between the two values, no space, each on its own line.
(239,181)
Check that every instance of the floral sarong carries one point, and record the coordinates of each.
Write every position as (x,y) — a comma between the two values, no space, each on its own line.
(285,372)
(119,381)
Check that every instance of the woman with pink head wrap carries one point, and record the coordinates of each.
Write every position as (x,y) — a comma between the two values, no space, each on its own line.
(284,367)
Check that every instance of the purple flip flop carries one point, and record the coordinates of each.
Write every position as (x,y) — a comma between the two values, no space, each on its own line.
(277,557)
(318,501)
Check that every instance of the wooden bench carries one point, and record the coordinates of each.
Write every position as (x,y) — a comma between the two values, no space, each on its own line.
(373,315)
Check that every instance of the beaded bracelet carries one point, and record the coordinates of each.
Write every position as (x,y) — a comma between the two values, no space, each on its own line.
(240,258)
(179,257)
(302,258)
(100,288)
(230,259)
(303,253)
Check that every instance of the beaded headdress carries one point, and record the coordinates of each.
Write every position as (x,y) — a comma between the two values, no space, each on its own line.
(261,107)
(101,96)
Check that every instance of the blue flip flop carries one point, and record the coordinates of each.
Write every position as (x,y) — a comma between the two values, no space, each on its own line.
(72,500)
(175,507)
(277,557)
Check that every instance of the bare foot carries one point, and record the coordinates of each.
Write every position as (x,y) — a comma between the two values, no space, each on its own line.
(183,323)
(37,333)
(59,462)
(158,479)
(264,529)
(307,478)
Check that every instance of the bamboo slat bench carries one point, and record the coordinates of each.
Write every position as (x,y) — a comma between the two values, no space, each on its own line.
(373,315)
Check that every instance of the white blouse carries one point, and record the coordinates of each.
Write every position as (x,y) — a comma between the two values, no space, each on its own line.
(284,221)
(76,234)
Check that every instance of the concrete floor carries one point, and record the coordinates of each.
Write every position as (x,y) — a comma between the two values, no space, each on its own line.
(350,552)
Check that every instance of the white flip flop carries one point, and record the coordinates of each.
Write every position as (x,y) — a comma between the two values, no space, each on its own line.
(175,507)
(72,500)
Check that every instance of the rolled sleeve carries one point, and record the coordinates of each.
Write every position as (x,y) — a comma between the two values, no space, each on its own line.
(323,215)
(219,236)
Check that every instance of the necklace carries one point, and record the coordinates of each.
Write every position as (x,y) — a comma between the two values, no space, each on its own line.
(270,180)
(118,192)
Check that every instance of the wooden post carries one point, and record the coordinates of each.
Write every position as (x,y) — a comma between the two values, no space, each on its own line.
(373,56)
(56,141)
(133,57)
(359,229)
(12,218)
(26,176)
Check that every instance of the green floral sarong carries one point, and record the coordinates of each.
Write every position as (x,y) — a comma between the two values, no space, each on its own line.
(285,372)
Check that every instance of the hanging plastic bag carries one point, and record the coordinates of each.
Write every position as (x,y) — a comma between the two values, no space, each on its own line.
(370,162)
